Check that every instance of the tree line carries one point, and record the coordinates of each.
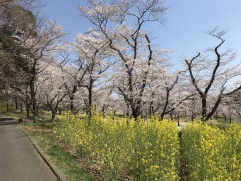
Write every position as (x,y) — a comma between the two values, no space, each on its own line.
(117,65)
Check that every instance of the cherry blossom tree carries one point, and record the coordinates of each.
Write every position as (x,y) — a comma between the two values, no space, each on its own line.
(165,95)
(210,77)
(94,60)
(230,107)
(51,87)
(107,101)
(73,77)
(40,49)
(121,25)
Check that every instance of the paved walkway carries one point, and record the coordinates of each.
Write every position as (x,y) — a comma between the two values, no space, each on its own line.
(19,160)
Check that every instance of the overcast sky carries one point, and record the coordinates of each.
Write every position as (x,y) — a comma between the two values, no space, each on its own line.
(182,31)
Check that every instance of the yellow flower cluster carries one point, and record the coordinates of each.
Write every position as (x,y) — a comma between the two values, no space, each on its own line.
(149,150)
(212,154)
(143,150)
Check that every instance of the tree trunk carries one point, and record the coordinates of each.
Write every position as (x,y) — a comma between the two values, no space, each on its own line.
(21,105)
(60,110)
(135,115)
(28,110)
(166,104)
(7,106)
(53,115)
(103,110)
(151,109)
(216,116)
(178,120)
(128,108)
(27,103)
(171,115)
(192,116)
(214,109)
(136,110)
(225,117)
(16,102)
(7,101)
(33,101)
(71,107)
(90,87)
(204,108)
(34,111)
(90,101)
(71,98)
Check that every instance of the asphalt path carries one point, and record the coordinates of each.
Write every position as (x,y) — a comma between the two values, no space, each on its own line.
(19,160)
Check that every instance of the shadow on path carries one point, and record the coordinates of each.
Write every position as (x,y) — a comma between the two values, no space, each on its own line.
(4,121)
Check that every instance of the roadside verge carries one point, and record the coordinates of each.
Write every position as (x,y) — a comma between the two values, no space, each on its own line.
(48,161)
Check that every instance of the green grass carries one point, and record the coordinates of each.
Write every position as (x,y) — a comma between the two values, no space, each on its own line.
(42,133)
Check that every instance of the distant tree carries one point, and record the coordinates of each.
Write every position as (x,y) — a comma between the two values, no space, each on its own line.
(191,107)
(237,104)
(73,76)
(94,60)
(231,106)
(173,99)
(211,76)
(51,86)
(166,95)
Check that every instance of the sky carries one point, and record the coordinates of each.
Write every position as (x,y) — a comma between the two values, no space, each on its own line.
(183,31)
